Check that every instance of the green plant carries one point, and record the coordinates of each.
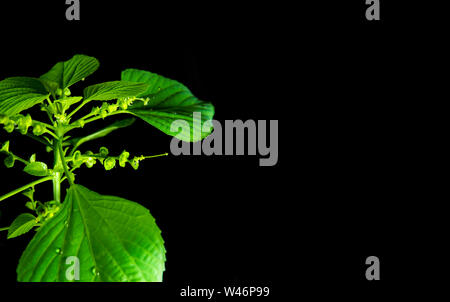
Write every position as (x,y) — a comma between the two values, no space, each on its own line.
(113,238)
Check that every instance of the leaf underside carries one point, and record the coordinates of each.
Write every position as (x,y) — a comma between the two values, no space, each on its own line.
(169,101)
(114,239)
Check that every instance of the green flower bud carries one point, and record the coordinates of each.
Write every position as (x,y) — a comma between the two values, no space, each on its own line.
(59,91)
(90,162)
(33,158)
(109,163)
(95,110)
(62,118)
(112,108)
(9,161)
(67,92)
(10,126)
(77,159)
(135,163)
(123,158)
(23,123)
(5,147)
(3,119)
(38,129)
(103,113)
(122,103)
(104,151)
(80,123)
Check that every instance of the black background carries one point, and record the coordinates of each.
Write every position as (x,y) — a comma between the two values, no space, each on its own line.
(357,104)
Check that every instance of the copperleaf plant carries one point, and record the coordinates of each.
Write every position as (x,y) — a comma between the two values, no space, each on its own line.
(110,238)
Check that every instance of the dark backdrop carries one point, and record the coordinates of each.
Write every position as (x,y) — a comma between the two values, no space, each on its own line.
(349,98)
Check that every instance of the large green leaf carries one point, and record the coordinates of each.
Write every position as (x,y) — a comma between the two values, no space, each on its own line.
(114,239)
(170,101)
(113,90)
(20,93)
(65,74)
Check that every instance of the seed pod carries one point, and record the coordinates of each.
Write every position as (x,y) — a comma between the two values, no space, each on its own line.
(90,162)
(10,126)
(104,151)
(9,161)
(38,129)
(135,163)
(109,163)
(123,158)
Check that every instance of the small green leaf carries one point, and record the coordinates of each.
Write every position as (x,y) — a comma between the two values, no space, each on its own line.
(69,101)
(29,193)
(32,158)
(36,168)
(168,102)
(5,147)
(65,74)
(20,93)
(21,225)
(114,238)
(113,90)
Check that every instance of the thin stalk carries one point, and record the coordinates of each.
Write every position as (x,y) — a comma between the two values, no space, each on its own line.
(57,175)
(78,108)
(38,139)
(99,117)
(66,170)
(23,188)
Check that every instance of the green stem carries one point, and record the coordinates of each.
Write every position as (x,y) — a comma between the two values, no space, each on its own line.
(57,175)
(66,170)
(4,229)
(23,188)
(38,139)
(109,114)
(78,108)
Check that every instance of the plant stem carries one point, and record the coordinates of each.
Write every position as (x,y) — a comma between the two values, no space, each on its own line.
(66,170)
(23,188)
(99,117)
(57,175)
(4,229)
(78,108)
(38,139)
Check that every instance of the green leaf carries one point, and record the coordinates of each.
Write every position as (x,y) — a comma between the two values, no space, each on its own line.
(113,90)
(114,239)
(69,101)
(20,93)
(169,101)
(65,74)
(21,225)
(76,142)
(36,168)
